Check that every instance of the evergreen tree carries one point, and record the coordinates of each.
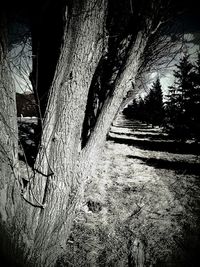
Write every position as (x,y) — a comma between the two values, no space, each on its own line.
(154,104)
(185,87)
(150,109)
(196,104)
(181,98)
(172,107)
(142,113)
(197,83)
(131,112)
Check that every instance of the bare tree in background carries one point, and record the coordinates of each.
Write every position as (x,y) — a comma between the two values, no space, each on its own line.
(101,50)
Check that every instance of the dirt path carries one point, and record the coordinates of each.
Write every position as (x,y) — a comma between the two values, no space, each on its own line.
(142,208)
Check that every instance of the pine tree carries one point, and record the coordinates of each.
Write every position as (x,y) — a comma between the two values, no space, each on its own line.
(142,114)
(197,82)
(185,87)
(181,98)
(196,104)
(131,112)
(154,104)
(172,106)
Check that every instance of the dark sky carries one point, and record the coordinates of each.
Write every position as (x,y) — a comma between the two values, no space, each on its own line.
(191,16)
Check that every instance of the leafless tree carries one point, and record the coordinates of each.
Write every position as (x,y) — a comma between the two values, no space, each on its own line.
(102,49)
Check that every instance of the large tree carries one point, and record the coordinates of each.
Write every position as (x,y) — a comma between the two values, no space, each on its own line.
(92,58)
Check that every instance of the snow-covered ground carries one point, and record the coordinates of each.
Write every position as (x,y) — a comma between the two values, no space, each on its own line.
(141,207)
(27,119)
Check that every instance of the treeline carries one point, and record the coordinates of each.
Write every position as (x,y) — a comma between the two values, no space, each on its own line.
(150,109)
(180,114)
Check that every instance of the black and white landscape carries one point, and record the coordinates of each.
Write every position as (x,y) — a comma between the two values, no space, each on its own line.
(99,133)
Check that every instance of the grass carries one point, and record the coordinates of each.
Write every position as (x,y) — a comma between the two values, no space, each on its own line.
(142,206)
(138,210)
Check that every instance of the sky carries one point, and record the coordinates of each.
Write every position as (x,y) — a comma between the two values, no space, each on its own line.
(21,65)
(190,21)
(191,46)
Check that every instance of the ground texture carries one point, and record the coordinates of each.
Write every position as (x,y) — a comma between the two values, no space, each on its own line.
(141,206)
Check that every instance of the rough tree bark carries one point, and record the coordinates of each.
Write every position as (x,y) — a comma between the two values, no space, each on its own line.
(36,219)
(8,142)
(44,211)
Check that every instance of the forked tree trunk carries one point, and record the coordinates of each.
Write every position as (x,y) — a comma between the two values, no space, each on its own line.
(38,221)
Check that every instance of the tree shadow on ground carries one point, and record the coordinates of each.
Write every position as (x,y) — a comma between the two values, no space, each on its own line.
(164,146)
(178,166)
(146,135)
(143,129)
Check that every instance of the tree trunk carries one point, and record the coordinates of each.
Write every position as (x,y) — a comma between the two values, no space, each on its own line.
(44,215)
(8,144)
(38,219)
